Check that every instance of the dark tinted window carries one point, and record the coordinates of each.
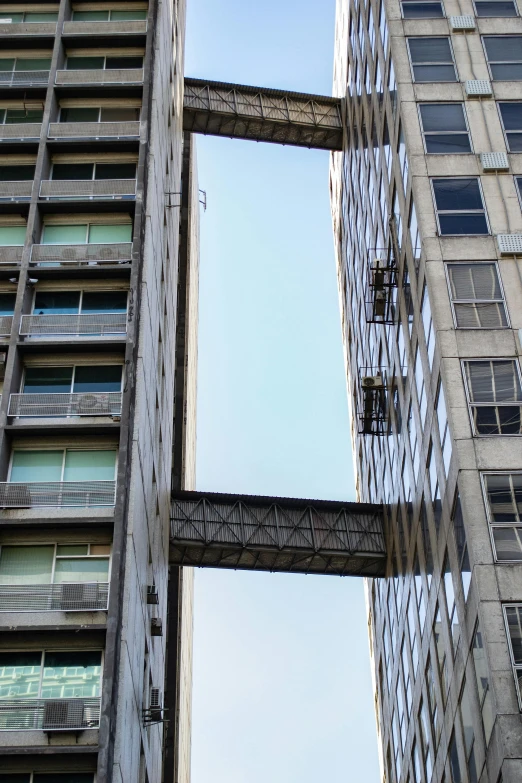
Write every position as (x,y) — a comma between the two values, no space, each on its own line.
(16,173)
(56,302)
(72,171)
(7,303)
(416,10)
(99,379)
(47,380)
(444,127)
(117,63)
(79,115)
(104,302)
(495,8)
(85,63)
(457,193)
(79,658)
(115,171)
(511,114)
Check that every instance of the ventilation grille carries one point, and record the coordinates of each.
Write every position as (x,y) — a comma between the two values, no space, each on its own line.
(494,161)
(155,698)
(63,715)
(478,88)
(509,244)
(462,23)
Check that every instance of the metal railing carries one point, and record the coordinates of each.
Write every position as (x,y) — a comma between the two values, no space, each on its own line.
(16,190)
(11,255)
(93,130)
(97,324)
(105,28)
(88,76)
(30,494)
(87,188)
(6,324)
(73,404)
(64,597)
(49,714)
(21,130)
(27,28)
(117,253)
(24,78)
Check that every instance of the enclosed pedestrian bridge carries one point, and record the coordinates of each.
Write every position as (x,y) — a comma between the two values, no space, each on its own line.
(248,532)
(261,114)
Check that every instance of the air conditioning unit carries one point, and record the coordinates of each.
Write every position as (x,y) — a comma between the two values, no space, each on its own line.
(78,597)
(152,595)
(156,627)
(94,404)
(60,715)
(154,712)
(372,382)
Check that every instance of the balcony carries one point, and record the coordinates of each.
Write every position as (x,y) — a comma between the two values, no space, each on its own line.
(95,324)
(24,29)
(6,324)
(73,404)
(57,494)
(64,597)
(23,78)
(117,253)
(16,191)
(121,27)
(49,714)
(11,255)
(87,188)
(109,76)
(23,131)
(94,130)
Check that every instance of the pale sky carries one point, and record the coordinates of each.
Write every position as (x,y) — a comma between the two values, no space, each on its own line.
(282,688)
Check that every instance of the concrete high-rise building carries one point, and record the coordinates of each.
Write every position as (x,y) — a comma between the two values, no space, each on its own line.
(98,276)
(426,199)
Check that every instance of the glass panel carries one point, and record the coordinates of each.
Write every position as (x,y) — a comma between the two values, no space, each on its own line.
(448,143)
(115,171)
(72,171)
(16,173)
(430,50)
(91,569)
(71,674)
(100,549)
(503,48)
(464,223)
(17,116)
(457,194)
(12,235)
(514,618)
(434,73)
(508,543)
(422,10)
(47,380)
(85,63)
(511,115)
(62,777)
(19,674)
(117,114)
(12,17)
(37,466)
(31,16)
(443,117)
(90,465)
(474,281)
(26,565)
(56,302)
(495,8)
(7,303)
(98,379)
(104,302)
(510,72)
(101,235)
(65,235)
(117,63)
(16,777)
(33,64)
(72,549)
(6,63)
(80,114)
(90,16)
(128,15)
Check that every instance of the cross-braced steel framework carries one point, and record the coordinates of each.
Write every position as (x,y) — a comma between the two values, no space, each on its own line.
(260,114)
(254,533)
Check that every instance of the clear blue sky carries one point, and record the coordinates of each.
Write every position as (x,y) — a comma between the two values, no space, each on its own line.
(281,673)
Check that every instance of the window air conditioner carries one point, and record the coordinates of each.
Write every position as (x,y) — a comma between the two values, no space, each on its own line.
(372,382)
(94,404)
(62,715)
(76,597)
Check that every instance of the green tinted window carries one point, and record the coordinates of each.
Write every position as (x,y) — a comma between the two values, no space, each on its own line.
(12,235)
(37,466)
(89,569)
(124,16)
(16,173)
(85,63)
(26,565)
(14,18)
(75,234)
(35,64)
(80,114)
(32,16)
(16,116)
(90,16)
(6,64)
(106,234)
(48,380)
(90,465)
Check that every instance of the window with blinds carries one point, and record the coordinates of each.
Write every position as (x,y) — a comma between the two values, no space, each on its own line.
(503,496)
(494,395)
(513,618)
(476,296)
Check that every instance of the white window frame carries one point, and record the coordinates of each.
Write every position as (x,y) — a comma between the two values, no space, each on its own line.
(499,62)
(453,63)
(59,649)
(423,2)
(491,523)
(453,302)
(64,450)
(56,556)
(492,404)
(73,367)
(515,667)
(515,6)
(460,211)
(439,133)
(504,130)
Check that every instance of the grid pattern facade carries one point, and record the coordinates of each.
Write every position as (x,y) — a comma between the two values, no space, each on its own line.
(427,216)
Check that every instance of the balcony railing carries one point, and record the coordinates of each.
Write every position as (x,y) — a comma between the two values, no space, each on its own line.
(49,714)
(20,131)
(105,28)
(23,78)
(87,188)
(117,253)
(97,324)
(65,597)
(26,28)
(88,76)
(31,494)
(6,324)
(11,255)
(86,404)
(94,130)
(14,191)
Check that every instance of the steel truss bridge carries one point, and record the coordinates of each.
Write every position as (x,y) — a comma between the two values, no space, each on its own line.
(261,114)
(248,532)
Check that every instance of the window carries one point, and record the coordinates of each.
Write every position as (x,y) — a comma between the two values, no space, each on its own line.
(29,17)
(513,615)
(20,116)
(102,63)
(12,235)
(434,714)
(466,714)
(494,396)
(476,296)
(86,233)
(109,15)
(419,383)
(63,465)
(444,433)
(410,613)
(504,56)
(495,8)
(77,379)
(444,128)
(451,606)
(459,205)
(421,9)
(413,227)
(426,742)
(503,493)
(10,64)
(461,543)
(482,676)
(73,302)
(54,564)
(16,173)
(511,117)
(89,171)
(429,334)
(432,60)
(454,762)
(441,653)
(7,303)
(100,114)
(50,674)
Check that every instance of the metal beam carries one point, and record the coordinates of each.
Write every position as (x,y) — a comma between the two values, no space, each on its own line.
(276,116)
(253,533)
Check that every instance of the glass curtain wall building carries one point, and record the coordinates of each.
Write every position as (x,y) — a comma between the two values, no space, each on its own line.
(428,226)
(95,262)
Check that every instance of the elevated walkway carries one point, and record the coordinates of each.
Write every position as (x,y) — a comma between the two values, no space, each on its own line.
(277,116)
(254,533)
